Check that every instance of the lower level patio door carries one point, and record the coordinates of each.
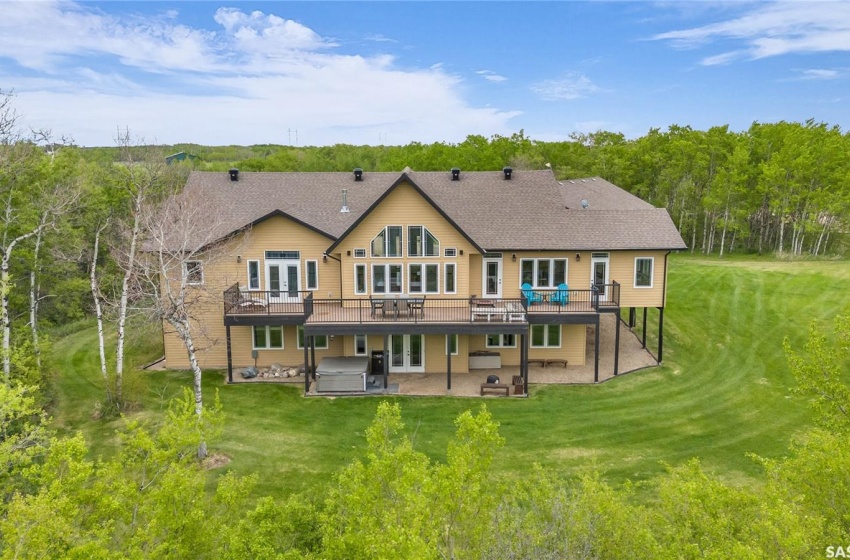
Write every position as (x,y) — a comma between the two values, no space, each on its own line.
(282,280)
(407,353)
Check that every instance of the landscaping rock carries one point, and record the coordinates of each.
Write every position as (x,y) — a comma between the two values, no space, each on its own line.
(249,372)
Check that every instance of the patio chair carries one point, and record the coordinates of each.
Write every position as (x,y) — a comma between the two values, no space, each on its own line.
(376,304)
(416,304)
(562,295)
(249,298)
(530,295)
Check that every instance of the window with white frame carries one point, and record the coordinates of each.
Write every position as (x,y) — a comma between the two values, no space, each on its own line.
(268,337)
(194,271)
(501,341)
(320,339)
(449,252)
(359,278)
(545,336)
(253,275)
(450,279)
(387,279)
(643,272)
(421,242)
(543,273)
(360,346)
(451,344)
(423,278)
(312,275)
(360,253)
(388,242)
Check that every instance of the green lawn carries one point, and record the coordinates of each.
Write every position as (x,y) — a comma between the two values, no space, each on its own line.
(724,391)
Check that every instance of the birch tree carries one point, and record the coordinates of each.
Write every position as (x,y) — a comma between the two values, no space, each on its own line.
(183,238)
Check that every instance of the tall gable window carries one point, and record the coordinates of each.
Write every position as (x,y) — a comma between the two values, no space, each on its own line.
(643,272)
(543,273)
(387,243)
(421,242)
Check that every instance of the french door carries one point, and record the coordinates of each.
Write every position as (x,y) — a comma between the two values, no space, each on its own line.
(492,278)
(282,280)
(599,274)
(407,353)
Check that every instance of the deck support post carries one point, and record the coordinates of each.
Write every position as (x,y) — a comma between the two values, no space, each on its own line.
(632,317)
(643,338)
(660,333)
(386,361)
(523,362)
(617,347)
(313,357)
(596,356)
(449,362)
(229,355)
(306,368)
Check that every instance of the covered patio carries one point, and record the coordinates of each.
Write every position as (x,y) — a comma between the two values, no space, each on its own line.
(632,357)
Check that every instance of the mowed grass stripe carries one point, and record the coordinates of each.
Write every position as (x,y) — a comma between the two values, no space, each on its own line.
(724,391)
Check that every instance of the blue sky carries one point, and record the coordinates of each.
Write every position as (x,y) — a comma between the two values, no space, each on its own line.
(319,73)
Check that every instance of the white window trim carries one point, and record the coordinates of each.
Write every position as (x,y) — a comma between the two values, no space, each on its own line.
(300,329)
(386,255)
(186,272)
(446,275)
(259,275)
(365,345)
(501,342)
(651,273)
(386,278)
(546,336)
(360,256)
(307,274)
(424,278)
(365,279)
(551,272)
(450,252)
(268,338)
(457,344)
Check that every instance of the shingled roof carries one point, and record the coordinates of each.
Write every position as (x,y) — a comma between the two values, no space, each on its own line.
(526,212)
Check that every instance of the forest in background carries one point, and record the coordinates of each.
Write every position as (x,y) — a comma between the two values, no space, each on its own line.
(777,187)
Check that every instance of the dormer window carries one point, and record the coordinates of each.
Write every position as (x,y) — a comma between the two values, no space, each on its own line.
(421,242)
(387,243)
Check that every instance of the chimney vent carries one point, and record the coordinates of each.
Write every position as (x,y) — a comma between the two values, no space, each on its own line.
(455,173)
(345,200)
(584,203)
(358,174)
(234,174)
(507,171)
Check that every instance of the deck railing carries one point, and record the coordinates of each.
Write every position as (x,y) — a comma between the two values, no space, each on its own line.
(415,308)
(270,302)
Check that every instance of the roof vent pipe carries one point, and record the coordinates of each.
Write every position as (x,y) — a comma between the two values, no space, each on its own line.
(358,174)
(455,173)
(344,201)
(234,174)
(507,171)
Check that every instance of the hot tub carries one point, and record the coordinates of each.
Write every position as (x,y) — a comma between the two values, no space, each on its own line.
(342,374)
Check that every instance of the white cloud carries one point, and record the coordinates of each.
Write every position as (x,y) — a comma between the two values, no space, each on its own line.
(378,38)
(249,81)
(491,76)
(820,74)
(772,29)
(571,86)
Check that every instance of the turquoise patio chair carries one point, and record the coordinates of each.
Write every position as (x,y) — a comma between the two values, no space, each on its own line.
(530,295)
(562,295)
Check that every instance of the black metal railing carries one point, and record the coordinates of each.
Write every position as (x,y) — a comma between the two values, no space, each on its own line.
(270,302)
(417,309)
